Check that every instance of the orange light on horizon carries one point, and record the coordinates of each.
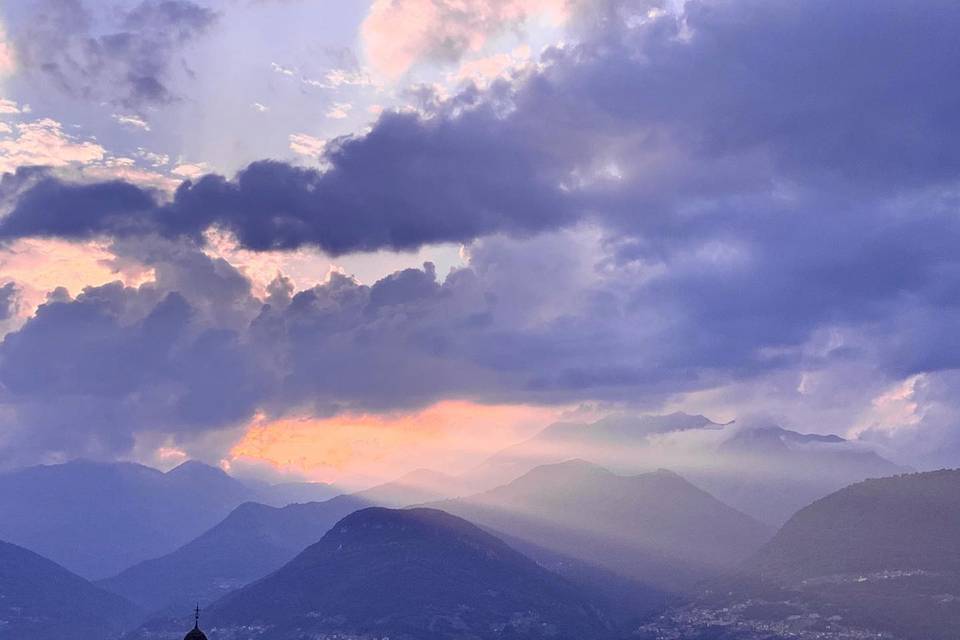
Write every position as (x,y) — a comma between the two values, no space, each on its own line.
(448,436)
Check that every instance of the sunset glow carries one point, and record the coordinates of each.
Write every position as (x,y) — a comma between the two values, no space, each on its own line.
(355,449)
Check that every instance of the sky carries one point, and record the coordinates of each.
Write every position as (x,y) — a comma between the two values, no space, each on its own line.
(341,240)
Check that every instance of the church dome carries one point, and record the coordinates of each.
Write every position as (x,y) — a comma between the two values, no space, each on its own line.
(195,634)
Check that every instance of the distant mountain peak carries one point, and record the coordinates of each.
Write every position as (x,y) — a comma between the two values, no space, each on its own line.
(415,487)
(572,470)
(776,437)
(655,527)
(194,467)
(625,425)
(423,476)
(574,464)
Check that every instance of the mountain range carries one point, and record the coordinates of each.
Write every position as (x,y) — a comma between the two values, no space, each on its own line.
(568,548)
(645,534)
(765,471)
(655,527)
(595,551)
(414,574)
(99,518)
(252,541)
(877,559)
(771,472)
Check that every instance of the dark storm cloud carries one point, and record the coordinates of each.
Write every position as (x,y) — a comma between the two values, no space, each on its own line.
(85,374)
(409,182)
(761,173)
(743,105)
(806,148)
(127,61)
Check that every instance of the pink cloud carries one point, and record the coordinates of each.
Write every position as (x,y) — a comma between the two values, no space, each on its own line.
(482,71)
(44,142)
(306,145)
(39,266)
(399,33)
(7,61)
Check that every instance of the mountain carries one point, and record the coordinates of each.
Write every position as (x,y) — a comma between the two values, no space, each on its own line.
(903,523)
(284,493)
(611,441)
(98,518)
(626,601)
(656,527)
(252,541)
(767,472)
(771,472)
(879,556)
(416,487)
(40,600)
(415,574)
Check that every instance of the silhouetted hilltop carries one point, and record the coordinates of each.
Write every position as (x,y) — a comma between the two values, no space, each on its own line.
(906,522)
(40,600)
(405,574)
(254,540)
(881,555)
(251,542)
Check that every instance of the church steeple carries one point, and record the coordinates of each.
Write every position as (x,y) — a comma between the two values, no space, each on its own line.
(195,633)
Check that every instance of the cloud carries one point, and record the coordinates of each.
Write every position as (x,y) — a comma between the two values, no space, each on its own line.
(131,121)
(339,110)
(483,71)
(284,71)
(190,170)
(124,360)
(307,145)
(656,124)
(400,33)
(336,78)
(449,195)
(676,204)
(45,143)
(9,107)
(8,63)
(373,448)
(916,421)
(9,300)
(128,61)
(155,159)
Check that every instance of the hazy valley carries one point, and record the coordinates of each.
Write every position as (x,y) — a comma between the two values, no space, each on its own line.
(565,549)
